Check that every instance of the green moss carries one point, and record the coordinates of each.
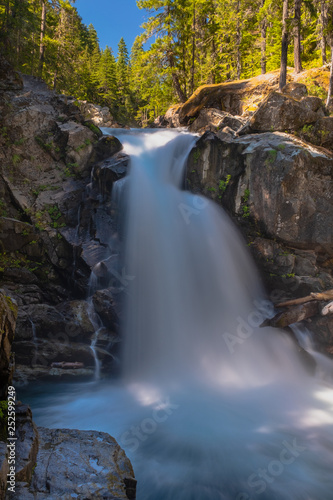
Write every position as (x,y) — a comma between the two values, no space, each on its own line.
(272,154)
(13,307)
(16,159)
(281,147)
(224,183)
(307,129)
(246,211)
(19,142)
(196,155)
(94,129)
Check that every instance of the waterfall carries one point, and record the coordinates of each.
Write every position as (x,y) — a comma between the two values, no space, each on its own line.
(211,406)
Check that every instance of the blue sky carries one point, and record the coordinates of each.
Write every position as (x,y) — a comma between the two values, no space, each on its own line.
(112,20)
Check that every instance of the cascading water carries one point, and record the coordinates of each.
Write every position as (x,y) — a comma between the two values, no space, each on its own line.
(212,407)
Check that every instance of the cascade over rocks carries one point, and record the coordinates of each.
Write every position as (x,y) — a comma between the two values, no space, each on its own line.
(278,189)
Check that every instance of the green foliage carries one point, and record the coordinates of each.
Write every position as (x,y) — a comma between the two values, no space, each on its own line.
(184,44)
(246,195)
(224,183)
(307,129)
(272,154)
(246,211)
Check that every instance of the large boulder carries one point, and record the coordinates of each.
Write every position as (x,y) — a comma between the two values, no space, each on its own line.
(235,97)
(79,464)
(65,463)
(279,112)
(98,115)
(285,184)
(296,90)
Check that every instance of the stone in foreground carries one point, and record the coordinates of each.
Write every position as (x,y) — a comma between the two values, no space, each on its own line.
(79,464)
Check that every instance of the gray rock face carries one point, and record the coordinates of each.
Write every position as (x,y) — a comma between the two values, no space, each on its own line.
(100,116)
(80,464)
(279,112)
(64,463)
(279,190)
(287,184)
(296,90)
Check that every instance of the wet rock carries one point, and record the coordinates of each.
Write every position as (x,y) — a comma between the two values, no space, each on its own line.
(29,374)
(8,314)
(80,464)
(294,315)
(55,349)
(78,322)
(322,327)
(105,148)
(107,307)
(110,171)
(26,445)
(46,320)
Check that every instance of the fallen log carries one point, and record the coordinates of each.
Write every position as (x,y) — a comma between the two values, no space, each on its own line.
(328,295)
(293,315)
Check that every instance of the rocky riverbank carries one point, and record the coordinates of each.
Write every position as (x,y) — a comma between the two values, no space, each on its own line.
(51,237)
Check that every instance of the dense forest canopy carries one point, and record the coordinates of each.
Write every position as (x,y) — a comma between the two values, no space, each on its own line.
(185,43)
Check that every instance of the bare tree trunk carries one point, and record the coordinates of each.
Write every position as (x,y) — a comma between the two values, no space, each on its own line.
(42,35)
(263,46)
(284,47)
(178,89)
(193,49)
(263,29)
(323,24)
(297,37)
(330,86)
